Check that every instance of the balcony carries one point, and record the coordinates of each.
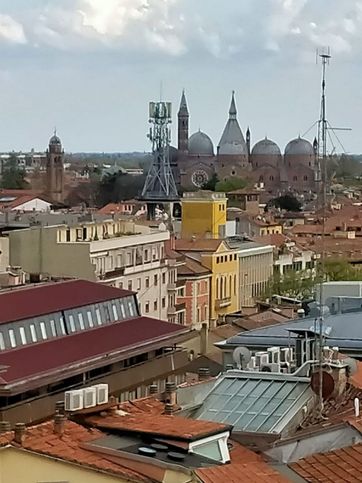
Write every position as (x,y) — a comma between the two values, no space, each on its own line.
(117,272)
(221,303)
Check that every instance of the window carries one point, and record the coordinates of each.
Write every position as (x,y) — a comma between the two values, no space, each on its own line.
(123,312)
(129,284)
(33,333)
(155,305)
(98,314)
(43,331)
(163,302)
(12,338)
(2,342)
(147,282)
(22,335)
(139,284)
(147,307)
(90,318)
(62,327)
(155,280)
(146,255)
(52,328)
(81,321)
(115,313)
(230,258)
(71,322)
(305,178)
(164,277)
(131,311)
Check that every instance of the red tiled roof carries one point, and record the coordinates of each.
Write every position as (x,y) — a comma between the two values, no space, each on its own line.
(341,465)
(160,425)
(192,267)
(148,405)
(245,467)
(27,302)
(69,447)
(61,353)
(276,239)
(199,245)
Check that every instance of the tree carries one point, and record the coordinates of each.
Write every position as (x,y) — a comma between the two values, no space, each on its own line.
(13,177)
(295,284)
(119,186)
(210,185)
(339,271)
(286,202)
(230,184)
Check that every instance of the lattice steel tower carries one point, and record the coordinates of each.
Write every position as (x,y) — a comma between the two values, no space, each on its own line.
(160,190)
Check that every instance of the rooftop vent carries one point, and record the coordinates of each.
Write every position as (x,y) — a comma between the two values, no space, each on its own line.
(145,451)
(172,455)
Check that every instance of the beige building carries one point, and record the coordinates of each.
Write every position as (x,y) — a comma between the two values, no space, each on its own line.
(117,253)
(255,269)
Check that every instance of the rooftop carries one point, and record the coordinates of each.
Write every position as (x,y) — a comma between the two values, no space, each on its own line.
(42,299)
(192,268)
(198,245)
(91,346)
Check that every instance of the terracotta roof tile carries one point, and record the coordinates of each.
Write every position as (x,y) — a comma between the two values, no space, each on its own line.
(341,465)
(199,245)
(192,267)
(68,447)
(163,426)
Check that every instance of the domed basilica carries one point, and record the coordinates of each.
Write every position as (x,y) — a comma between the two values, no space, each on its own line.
(195,160)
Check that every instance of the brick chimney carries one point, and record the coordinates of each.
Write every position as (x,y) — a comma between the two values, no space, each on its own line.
(204,373)
(59,424)
(170,394)
(19,433)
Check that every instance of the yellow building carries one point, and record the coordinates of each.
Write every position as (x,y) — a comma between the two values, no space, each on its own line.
(222,261)
(203,215)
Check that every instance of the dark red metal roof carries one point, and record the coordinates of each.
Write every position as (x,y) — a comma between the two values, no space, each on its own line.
(56,354)
(27,302)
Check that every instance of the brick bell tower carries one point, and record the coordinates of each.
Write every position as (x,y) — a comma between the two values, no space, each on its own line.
(55,169)
(183,126)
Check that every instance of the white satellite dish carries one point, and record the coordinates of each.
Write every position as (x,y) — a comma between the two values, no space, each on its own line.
(241,356)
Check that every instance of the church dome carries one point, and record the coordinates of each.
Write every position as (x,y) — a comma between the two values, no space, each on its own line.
(200,145)
(299,147)
(266,147)
(55,139)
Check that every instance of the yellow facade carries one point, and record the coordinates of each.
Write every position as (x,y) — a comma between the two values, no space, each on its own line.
(271,230)
(224,289)
(203,215)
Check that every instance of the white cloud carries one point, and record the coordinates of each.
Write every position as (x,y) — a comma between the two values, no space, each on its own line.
(11,31)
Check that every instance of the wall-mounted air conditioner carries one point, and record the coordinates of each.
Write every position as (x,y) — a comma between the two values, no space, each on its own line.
(102,393)
(270,367)
(89,397)
(286,354)
(73,400)
(262,358)
(274,354)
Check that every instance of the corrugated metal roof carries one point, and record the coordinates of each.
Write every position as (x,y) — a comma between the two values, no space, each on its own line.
(42,299)
(256,402)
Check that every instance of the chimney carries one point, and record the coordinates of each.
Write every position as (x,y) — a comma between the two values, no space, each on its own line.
(204,336)
(59,407)
(5,426)
(204,373)
(153,389)
(169,409)
(59,424)
(19,433)
(170,394)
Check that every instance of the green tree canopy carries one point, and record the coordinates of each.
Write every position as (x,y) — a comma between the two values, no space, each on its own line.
(294,284)
(13,177)
(230,184)
(286,202)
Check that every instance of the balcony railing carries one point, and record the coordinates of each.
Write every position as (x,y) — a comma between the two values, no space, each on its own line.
(221,303)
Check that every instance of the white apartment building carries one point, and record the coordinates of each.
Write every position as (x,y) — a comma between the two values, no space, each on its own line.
(114,252)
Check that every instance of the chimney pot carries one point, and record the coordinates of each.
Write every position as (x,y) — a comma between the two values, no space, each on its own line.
(59,424)
(170,394)
(5,426)
(19,432)
(153,389)
(169,409)
(59,407)
(204,373)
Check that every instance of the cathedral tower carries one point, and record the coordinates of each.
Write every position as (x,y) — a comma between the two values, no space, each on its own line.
(183,125)
(55,169)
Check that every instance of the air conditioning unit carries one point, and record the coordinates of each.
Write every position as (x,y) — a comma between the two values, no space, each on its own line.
(274,354)
(73,400)
(270,367)
(262,358)
(102,393)
(252,364)
(89,397)
(286,355)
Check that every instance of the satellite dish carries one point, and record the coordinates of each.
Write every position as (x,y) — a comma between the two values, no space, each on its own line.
(241,356)
(352,365)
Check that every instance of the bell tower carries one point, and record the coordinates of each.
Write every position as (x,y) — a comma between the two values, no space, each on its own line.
(55,169)
(183,125)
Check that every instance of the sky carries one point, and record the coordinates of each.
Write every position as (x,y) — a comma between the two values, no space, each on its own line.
(90,67)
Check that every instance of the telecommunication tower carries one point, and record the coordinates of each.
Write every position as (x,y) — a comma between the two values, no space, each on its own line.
(159,191)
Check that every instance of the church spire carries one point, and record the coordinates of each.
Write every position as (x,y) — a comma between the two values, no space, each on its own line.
(183,105)
(232,110)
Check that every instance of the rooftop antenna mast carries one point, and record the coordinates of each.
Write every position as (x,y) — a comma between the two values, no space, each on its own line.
(321,179)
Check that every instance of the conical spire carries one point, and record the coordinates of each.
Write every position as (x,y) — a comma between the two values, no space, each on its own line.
(232,110)
(183,105)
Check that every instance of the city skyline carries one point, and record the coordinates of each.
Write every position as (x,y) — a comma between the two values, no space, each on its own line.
(90,68)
